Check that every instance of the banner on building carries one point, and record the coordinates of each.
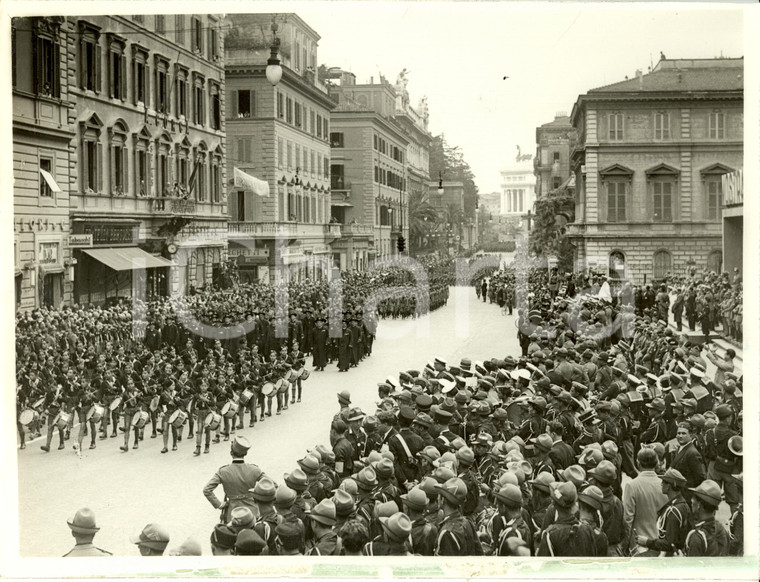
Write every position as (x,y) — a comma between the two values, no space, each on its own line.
(733,188)
(248,182)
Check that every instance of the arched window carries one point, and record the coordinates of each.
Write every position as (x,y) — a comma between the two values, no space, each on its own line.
(662,262)
(217,195)
(617,265)
(117,136)
(91,158)
(199,172)
(163,165)
(183,163)
(143,161)
(715,261)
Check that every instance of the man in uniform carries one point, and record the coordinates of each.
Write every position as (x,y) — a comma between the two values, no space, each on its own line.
(723,463)
(237,479)
(567,536)
(152,540)
(673,519)
(457,535)
(708,537)
(84,528)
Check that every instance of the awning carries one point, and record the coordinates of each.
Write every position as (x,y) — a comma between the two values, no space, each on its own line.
(243,180)
(341,203)
(127,258)
(50,181)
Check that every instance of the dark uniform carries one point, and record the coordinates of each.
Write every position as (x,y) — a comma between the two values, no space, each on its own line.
(568,537)
(673,523)
(457,537)
(708,538)
(424,536)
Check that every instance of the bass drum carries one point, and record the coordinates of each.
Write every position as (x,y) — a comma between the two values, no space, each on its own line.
(115,403)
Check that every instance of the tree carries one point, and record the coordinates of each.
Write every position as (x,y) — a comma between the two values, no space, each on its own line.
(422,219)
(547,236)
(450,162)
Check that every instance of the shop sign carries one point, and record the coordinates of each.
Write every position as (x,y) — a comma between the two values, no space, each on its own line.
(80,241)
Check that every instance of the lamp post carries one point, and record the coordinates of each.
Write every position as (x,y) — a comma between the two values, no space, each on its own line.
(440,183)
(274,70)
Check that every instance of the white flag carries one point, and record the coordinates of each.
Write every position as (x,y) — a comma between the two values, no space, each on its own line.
(243,180)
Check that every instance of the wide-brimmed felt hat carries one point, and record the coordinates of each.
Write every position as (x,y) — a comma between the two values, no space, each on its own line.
(416,499)
(323,512)
(398,526)
(454,490)
(152,536)
(83,522)
(708,491)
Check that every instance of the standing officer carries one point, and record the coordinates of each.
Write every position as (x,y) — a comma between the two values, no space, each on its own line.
(237,479)
(83,528)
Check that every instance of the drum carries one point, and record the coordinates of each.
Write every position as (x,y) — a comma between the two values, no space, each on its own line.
(304,375)
(291,376)
(96,412)
(139,418)
(178,418)
(282,386)
(115,403)
(245,396)
(212,421)
(28,416)
(267,389)
(230,409)
(62,420)
(154,403)
(517,413)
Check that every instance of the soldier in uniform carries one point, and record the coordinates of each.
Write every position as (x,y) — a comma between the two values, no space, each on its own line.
(708,537)
(320,338)
(83,528)
(456,534)
(509,503)
(237,479)
(396,530)
(723,463)
(204,402)
(423,534)
(325,541)
(567,536)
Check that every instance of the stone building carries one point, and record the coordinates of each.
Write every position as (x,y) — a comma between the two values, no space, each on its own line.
(648,168)
(148,200)
(551,163)
(43,66)
(518,186)
(278,135)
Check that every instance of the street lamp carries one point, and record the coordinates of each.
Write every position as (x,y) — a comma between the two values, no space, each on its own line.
(440,183)
(274,70)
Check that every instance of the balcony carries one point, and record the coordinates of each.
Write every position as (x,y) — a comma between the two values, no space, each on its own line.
(145,206)
(291,230)
(357,229)
(163,206)
(339,184)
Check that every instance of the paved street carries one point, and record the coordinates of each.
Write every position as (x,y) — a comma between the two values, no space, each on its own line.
(129,490)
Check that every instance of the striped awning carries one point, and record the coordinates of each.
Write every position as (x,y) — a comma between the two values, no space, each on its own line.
(127,258)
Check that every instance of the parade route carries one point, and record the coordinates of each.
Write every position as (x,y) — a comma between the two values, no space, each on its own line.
(128,490)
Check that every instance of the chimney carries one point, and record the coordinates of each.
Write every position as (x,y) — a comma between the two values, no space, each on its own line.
(640,77)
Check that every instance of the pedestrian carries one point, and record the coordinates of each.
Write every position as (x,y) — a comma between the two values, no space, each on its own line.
(152,540)
(642,498)
(342,448)
(723,463)
(83,528)
(237,479)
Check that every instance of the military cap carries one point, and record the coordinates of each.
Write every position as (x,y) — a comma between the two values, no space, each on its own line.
(344,502)
(657,404)
(543,442)
(465,456)
(398,526)
(249,543)
(674,477)
(574,473)
(264,491)
(323,512)
(708,491)
(83,522)
(424,402)
(344,396)
(406,413)
(723,411)
(297,480)
(240,446)
(542,481)
(152,536)
(284,497)
(223,537)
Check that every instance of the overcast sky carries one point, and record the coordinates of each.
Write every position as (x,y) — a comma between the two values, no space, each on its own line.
(459,53)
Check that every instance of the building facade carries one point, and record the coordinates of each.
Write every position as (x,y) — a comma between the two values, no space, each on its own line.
(147,203)
(518,187)
(369,172)
(551,164)
(43,65)
(281,136)
(648,167)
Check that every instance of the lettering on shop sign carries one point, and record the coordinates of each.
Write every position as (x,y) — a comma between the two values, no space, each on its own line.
(48,254)
(111,233)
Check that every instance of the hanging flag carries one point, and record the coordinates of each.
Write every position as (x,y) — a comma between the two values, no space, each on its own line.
(248,182)
(193,174)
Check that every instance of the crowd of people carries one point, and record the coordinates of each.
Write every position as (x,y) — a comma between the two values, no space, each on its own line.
(606,437)
(201,361)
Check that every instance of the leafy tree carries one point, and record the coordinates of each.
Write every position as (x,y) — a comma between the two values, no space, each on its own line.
(547,235)
(422,219)
(450,162)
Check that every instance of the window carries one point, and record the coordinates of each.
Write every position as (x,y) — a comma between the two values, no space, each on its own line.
(179,29)
(91,156)
(280,152)
(298,157)
(240,206)
(663,200)
(374,142)
(140,74)
(715,262)
(319,126)
(162,85)
(289,110)
(313,123)
(163,179)
(182,177)
(327,166)
(325,129)
(661,125)
(216,176)
(280,107)
(143,162)
(197,36)
(89,57)
(714,189)
(298,114)
(717,128)
(662,264)
(216,106)
(181,79)
(200,173)
(118,159)
(244,149)
(199,105)
(117,68)
(313,165)
(47,57)
(138,18)
(556,183)
(616,201)
(290,156)
(46,165)
(617,265)
(555,157)
(243,103)
(213,41)
(319,165)
(160,24)
(616,126)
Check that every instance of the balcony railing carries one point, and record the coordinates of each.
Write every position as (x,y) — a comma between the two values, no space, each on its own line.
(284,229)
(171,206)
(357,229)
(339,183)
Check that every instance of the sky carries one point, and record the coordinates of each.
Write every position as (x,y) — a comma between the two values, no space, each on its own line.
(459,53)
(492,71)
